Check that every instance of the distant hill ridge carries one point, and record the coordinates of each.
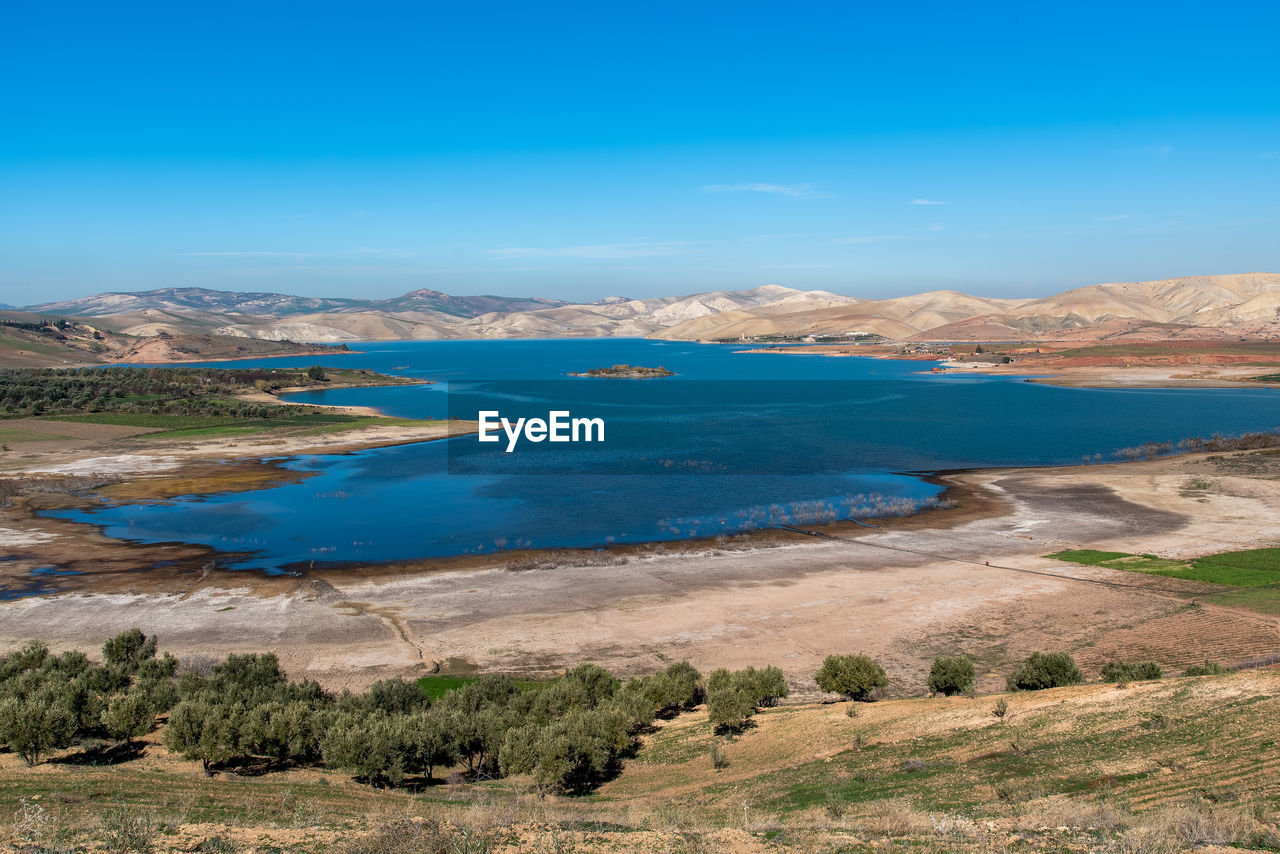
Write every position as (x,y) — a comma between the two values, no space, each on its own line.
(1243,304)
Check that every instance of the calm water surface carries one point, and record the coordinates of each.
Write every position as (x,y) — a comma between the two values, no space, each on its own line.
(732,442)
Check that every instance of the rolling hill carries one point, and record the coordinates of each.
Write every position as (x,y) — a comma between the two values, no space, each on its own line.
(1191,307)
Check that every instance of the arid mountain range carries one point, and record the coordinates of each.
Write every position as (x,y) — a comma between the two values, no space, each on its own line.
(1242,305)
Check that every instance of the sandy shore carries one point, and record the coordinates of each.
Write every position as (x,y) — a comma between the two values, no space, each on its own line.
(1207,370)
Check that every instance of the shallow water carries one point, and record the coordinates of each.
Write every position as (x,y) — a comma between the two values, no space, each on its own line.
(730,443)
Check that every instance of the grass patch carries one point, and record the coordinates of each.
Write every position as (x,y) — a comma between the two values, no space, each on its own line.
(142,419)
(1247,568)
(12,434)
(1264,600)
(436,687)
(206,426)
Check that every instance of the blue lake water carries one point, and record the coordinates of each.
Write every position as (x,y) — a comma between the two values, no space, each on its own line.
(732,442)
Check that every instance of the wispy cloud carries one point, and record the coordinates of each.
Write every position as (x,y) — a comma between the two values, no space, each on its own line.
(599,251)
(253,254)
(337,254)
(937,226)
(871,238)
(1114,217)
(377,252)
(1270,155)
(928,202)
(795,191)
(1157,150)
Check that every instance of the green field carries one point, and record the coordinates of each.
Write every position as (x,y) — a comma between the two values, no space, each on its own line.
(1247,568)
(206,426)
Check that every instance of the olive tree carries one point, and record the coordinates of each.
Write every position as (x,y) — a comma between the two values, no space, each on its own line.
(952,674)
(854,676)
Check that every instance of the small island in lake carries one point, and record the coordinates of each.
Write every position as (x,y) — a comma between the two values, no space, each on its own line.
(630,372)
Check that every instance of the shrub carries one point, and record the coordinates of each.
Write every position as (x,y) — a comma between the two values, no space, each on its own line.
(126,832)
(854,676)
(1045,670)
(1119,671)
(1209,668)
(718,760)
(951,674)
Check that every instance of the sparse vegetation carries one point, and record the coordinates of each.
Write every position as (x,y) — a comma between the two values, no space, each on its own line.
(1209,668)
(1119,671)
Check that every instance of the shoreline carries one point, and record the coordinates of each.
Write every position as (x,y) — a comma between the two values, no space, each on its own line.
(1221,374)
(172,563)
(974,578)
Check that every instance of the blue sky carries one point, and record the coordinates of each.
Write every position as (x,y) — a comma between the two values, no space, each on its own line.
(583,150)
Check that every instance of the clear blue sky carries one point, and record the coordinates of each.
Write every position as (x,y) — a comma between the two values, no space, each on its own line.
(582,150)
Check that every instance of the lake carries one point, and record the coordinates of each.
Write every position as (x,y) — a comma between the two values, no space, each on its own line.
(730,443)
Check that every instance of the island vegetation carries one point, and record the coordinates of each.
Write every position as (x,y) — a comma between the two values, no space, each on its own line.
(624,371)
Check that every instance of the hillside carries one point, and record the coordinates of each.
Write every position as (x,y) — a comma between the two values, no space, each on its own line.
(1191,307)
(1166,766)
(30,340)
(1247,304)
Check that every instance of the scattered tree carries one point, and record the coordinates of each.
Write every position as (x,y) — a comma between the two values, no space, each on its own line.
(1045,670)
(952,674)
(854,676)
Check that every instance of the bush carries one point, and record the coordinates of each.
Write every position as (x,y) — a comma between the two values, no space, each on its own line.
(1045,670)
(1209,668)
(854,676)
(1119,671)
(952,674)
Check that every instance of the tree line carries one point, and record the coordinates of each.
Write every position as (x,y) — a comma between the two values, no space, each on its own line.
(567,734)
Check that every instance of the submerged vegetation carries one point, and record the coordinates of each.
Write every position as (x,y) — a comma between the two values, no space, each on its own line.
(1200,444)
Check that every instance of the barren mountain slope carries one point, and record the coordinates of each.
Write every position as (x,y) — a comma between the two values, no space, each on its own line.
(901,317)
(1246,303)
